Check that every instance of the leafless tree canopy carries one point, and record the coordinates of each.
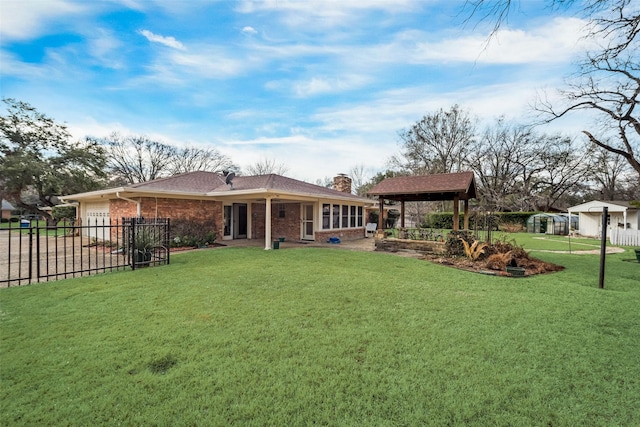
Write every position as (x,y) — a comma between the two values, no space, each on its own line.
(189,159)
(516,168)
(136,158)
(607,85)
(610,90)
(267,166)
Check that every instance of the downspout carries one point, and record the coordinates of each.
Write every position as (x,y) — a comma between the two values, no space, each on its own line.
(137,202)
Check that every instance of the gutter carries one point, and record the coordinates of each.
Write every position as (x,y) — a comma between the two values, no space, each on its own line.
(137,202)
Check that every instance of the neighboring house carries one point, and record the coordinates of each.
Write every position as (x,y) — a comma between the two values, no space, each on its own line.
(7,209)
(622,215)
(249,207)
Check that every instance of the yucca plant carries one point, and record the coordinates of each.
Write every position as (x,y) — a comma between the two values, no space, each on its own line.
(474,250)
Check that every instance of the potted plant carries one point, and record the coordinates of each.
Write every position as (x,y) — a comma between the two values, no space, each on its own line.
(143,245)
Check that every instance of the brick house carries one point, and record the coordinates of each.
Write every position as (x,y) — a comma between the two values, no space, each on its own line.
(249,207)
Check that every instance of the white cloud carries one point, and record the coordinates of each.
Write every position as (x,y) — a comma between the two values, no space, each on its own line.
(320,15)
(556,41)
(166,41)
(325,7)
(104,47)
(307,158)
(249,30)
(25,20)
(320,85)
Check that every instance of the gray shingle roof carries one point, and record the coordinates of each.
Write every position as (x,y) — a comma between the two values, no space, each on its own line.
(211,184)
(427,187)
(191,182)
(6,206)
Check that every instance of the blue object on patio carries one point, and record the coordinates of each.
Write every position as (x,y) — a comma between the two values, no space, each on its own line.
(333,240)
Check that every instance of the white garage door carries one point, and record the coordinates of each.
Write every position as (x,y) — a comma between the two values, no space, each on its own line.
(96,214)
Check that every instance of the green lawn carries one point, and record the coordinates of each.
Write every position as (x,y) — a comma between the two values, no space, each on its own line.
(324,337)
(59,231)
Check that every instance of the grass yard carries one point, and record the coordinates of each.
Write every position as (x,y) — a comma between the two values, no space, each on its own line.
(316,336)
(59,231)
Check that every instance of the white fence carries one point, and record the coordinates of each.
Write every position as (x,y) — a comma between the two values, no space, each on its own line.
(624,237)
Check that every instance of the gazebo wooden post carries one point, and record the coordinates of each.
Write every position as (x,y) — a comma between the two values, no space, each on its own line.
(402,214)
(456,213)
(381,215)
(466,214)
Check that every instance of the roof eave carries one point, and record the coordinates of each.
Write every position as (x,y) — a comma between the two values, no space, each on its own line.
(131,192)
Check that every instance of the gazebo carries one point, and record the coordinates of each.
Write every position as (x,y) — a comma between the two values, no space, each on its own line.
(428,188)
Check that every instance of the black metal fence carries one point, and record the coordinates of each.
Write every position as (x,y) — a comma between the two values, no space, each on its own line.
(31,252)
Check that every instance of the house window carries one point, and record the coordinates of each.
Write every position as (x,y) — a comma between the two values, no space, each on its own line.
(359,216)
(336,216)
(345,216)
(227,220)
(326,216)
(352,217)
(281,210)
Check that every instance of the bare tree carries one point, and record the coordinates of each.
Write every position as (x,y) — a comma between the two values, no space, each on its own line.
(608,84)
(137,158)
(608,172)
(189,159)
(609,88)
(497,159)
(359,175)
(436,144)
(615,22)
(517,169)
(563,167)
(327,182)
(267,166)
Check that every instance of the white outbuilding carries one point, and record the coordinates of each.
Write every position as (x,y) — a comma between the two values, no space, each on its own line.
(622,216)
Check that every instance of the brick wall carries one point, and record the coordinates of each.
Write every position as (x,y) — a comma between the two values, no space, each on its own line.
(150,207)
(119,209)
(287,227)
(346,234)
(190,209)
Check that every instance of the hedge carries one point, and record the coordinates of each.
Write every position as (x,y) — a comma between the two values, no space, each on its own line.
(445,219)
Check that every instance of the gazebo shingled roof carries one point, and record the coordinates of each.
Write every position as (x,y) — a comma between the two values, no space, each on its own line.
(445,186)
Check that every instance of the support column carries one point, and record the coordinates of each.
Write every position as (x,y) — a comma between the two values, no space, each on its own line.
(381,215)
(466,214)
(267,224)
(402,214)
(456,213)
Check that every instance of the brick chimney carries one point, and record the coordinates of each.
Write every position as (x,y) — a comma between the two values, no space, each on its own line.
(342,183)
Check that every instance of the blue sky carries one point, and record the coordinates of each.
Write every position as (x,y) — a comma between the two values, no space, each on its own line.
(320,86)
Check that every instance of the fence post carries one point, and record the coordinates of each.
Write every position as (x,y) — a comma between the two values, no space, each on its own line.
(603,246)
(132,243)
(167,231)
(31,253)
